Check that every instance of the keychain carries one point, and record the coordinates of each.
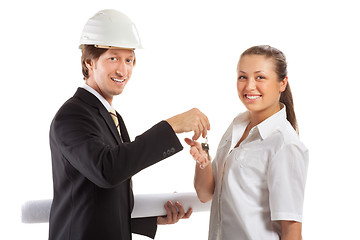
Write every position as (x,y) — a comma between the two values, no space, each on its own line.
(205,147)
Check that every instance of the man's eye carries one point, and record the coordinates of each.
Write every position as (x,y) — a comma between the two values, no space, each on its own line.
(113,58)
(129,60)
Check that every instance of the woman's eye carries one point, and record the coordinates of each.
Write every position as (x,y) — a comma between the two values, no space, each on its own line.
(242,78)
(113,58)
(260,77)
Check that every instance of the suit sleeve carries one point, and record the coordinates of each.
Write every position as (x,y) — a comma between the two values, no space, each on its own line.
(86,143)
(144,226)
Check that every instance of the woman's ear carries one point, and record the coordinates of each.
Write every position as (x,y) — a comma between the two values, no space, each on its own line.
(283,84)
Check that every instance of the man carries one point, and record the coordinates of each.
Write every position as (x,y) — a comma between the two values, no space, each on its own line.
(93,158)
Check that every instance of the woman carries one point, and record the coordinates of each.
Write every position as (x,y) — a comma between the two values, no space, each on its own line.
(257,179)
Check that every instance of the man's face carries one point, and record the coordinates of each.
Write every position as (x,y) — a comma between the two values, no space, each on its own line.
(111,72)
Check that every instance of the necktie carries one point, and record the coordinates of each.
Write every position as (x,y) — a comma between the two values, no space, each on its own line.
(116,120)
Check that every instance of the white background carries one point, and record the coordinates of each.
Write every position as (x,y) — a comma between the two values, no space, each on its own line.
(191,49)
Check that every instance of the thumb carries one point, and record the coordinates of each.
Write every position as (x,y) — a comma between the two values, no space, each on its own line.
(189,142)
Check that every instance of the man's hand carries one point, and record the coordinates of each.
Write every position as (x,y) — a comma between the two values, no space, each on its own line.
(173,214)
(192,120)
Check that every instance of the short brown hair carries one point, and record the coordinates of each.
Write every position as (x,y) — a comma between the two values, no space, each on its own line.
(89,52)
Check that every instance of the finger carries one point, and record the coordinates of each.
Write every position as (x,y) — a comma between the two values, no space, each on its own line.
(194,151)
(202,158)
(193,144)
(197,146)
(204,133)
(207,123)
(189,142)
(200,154)
(188,214)
(168,216)
(181,211)
(174,212)
(201,127)
(204,127)
(163,220)
(196,134)
(198,158)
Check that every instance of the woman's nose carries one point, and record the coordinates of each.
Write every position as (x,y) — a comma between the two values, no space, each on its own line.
(251,84)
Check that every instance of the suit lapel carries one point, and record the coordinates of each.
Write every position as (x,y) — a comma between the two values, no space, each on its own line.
(92,100)
(123,130)
(110,122)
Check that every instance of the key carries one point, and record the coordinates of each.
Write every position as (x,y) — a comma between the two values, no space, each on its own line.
(205,147)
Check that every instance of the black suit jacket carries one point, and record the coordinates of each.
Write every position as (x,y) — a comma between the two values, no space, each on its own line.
(92,170)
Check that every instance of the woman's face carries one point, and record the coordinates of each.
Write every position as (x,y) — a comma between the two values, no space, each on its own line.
(258,86)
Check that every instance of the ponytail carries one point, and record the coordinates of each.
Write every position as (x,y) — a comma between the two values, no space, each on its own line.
(287,99)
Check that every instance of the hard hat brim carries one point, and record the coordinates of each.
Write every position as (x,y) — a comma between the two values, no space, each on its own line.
(111,47)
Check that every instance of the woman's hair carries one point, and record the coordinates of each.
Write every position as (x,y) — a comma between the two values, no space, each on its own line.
(281,70)
(90,52)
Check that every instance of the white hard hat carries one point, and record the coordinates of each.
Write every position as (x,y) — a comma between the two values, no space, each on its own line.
(110,28)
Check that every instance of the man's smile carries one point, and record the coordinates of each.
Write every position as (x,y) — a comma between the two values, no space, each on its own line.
(118,80)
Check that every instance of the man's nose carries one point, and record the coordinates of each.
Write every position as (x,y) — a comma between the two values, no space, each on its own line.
(121,69)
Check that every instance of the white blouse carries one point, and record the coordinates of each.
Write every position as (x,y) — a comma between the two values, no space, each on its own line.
(259,182)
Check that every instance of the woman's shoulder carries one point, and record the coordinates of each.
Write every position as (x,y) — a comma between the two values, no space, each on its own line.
(290,137)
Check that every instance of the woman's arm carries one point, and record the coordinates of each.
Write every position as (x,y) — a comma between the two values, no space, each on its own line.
(204,180)
(290,230)
(204,183)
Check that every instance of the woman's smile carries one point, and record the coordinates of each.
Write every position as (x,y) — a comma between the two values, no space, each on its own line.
(252,97)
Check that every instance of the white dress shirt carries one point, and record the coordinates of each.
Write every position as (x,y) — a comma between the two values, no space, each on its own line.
(101,98)
(258,183)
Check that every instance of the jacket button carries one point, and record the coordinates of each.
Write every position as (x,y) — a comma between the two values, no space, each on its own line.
(164,154)
(172,150)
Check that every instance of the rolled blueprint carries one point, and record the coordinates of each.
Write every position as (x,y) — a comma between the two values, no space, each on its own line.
(37,211)
(149,205)
(145,205)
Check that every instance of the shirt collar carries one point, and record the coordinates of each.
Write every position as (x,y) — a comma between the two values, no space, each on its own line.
(96,94)
(273,123)
(238,127)
(263,129)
